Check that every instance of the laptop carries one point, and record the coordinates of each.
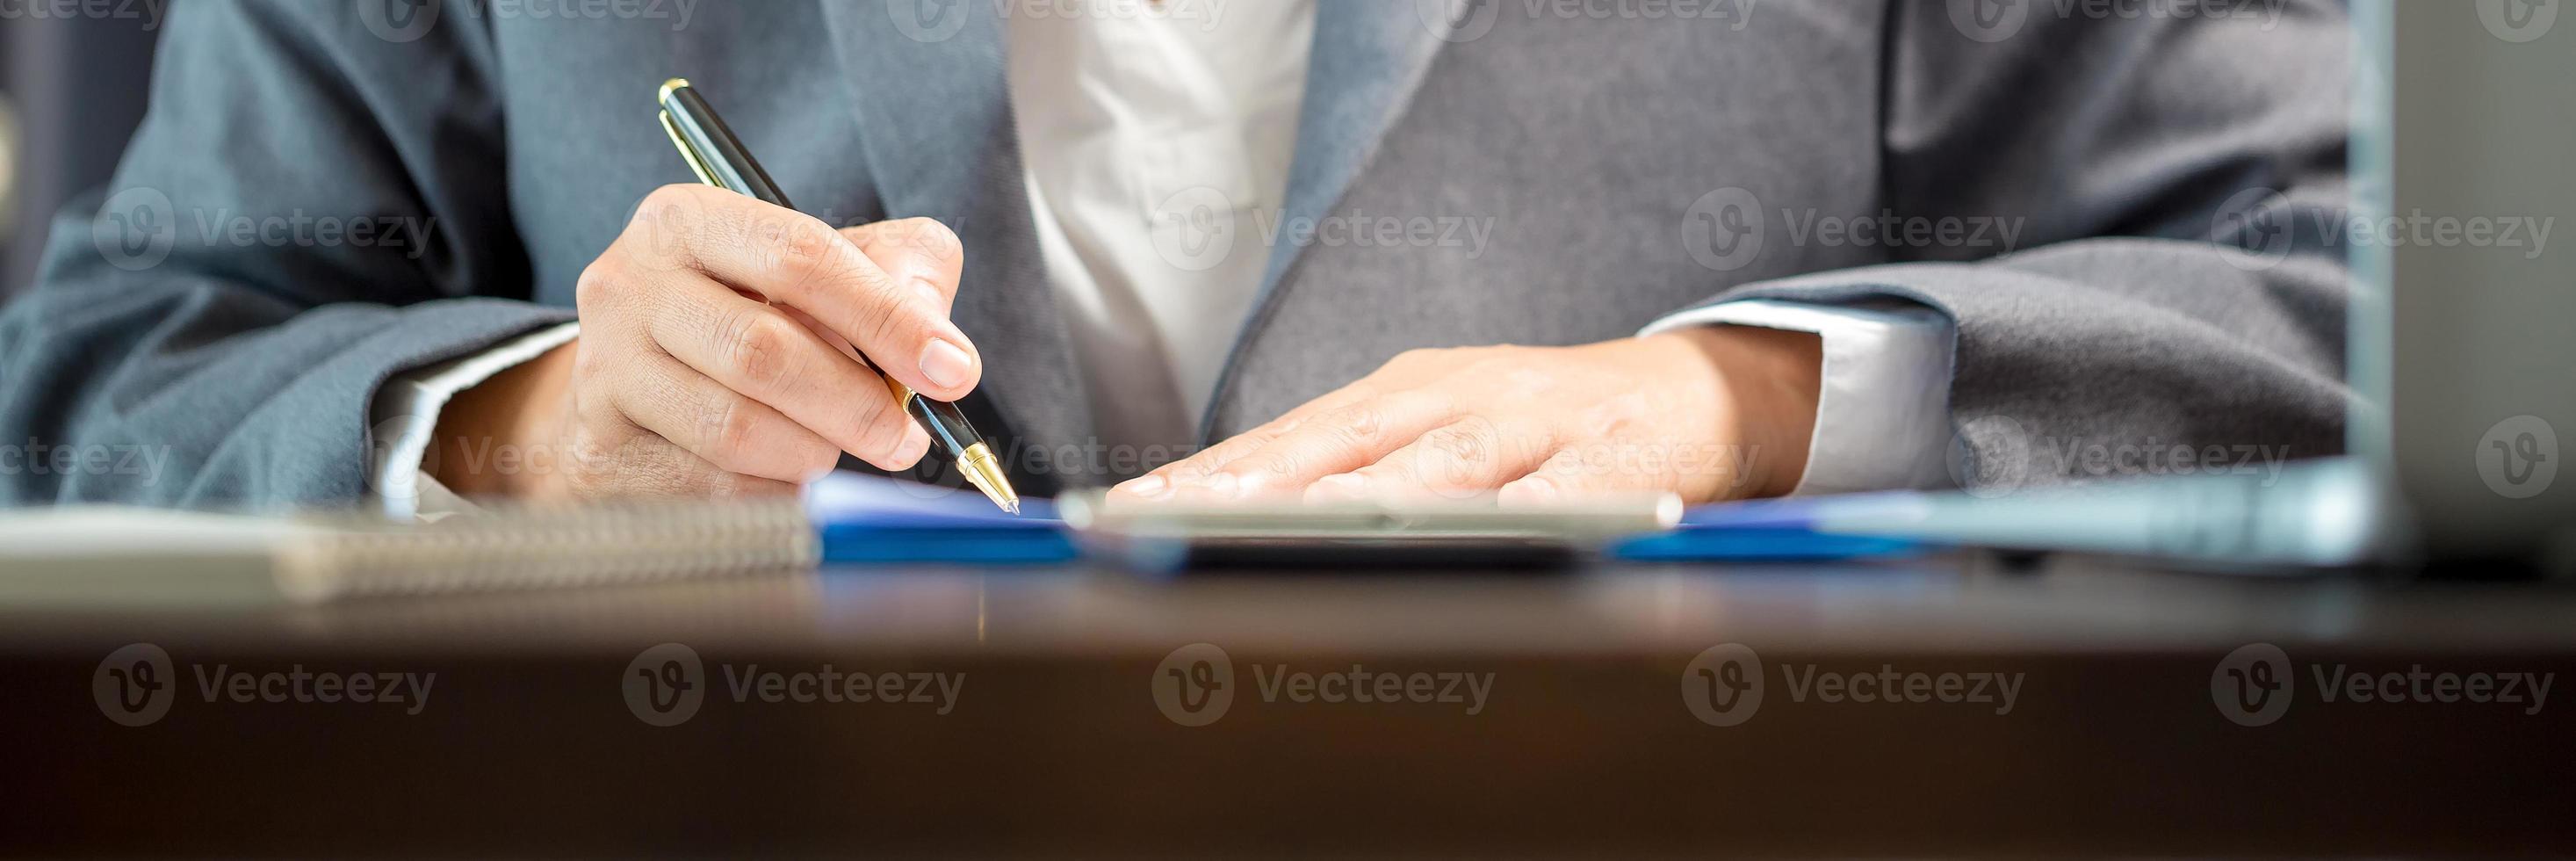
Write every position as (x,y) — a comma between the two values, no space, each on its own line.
(2467,120)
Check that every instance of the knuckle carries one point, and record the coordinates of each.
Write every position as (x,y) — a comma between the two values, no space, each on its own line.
(590,367)
(807,241)
(756,344)
(1359,423)
(930,237)
(669,195)
(1471,442)
(1280,466)
(732,430)
(599,282)
(669,211)
(802,249)
(883,313)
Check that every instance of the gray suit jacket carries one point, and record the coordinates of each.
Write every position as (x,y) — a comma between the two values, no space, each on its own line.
(1628,166)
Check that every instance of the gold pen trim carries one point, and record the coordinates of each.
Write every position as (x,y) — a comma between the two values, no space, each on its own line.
(985,472)
(697,162)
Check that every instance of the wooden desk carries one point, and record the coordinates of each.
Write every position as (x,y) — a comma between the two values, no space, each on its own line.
(1053,741)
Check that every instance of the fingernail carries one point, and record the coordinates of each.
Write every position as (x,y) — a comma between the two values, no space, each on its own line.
(1343,486)
(929,292)
(1222,484)
(946,365)
(1150,487)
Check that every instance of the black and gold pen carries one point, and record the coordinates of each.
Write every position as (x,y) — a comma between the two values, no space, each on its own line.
(719,159)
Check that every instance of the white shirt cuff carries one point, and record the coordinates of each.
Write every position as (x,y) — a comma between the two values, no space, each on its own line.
(405,414)
(1883,410)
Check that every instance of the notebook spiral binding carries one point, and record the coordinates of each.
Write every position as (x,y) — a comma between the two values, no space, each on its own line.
(543,549)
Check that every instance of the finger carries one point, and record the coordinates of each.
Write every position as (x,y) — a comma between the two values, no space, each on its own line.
(1199,467)
(1589,469)
(647,466)
(794,259)
(734,432)
(1334,441)
(765,353)
(921,253)
(1463,458)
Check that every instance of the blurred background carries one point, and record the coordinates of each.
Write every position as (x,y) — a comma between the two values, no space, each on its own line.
(72,89)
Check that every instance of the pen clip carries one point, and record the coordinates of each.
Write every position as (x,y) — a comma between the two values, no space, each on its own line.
(697,160)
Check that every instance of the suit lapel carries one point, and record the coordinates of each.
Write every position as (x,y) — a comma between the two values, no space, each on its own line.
(929,89)
(1369,57)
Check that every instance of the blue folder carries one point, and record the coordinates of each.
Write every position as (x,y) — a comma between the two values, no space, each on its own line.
(867,520)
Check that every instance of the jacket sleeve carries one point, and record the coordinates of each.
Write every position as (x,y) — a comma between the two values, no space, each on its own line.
(314,202)
(2178,185)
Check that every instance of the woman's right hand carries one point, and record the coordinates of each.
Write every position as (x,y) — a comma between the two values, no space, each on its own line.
(715,359)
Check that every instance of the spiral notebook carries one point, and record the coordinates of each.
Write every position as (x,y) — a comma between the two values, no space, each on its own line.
(134,557)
